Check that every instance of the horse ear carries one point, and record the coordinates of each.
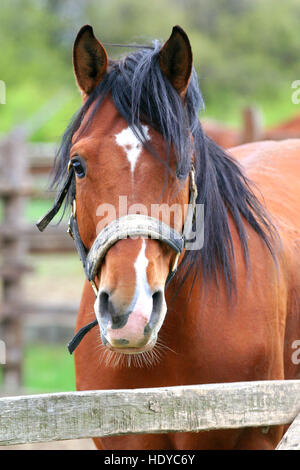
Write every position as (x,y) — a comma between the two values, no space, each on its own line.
(176,60)
(89,60)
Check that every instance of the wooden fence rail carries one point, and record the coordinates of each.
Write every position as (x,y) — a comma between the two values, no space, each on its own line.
(74,415)
(54,240)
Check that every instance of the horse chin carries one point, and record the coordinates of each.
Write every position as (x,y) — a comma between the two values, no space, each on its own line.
(130,350)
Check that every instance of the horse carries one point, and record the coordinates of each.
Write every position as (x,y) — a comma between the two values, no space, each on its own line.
(215,302)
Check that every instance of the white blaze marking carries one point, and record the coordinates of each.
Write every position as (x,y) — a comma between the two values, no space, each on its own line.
(131,144)
(144,303)
(142,289)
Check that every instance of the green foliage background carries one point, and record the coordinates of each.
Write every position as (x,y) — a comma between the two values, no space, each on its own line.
(245,51)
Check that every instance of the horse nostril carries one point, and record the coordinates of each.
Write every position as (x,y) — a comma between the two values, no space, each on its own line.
(103,308)
(157,299)
(109,314)
(103,301)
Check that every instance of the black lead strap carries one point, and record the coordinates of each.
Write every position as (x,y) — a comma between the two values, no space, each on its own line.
(46,219)
(72,345)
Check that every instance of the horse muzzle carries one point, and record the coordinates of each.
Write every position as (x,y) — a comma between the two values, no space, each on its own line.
(130,330)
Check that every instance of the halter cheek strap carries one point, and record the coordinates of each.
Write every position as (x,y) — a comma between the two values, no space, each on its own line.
(132,225)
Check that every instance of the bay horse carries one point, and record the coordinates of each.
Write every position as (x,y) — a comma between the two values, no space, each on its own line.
(167,315)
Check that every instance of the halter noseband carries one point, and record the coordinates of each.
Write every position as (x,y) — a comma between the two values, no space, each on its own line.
(131,225)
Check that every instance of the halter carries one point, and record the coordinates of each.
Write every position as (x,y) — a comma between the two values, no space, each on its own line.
(131,225)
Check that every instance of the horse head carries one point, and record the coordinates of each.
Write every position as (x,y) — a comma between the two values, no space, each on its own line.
(125,168)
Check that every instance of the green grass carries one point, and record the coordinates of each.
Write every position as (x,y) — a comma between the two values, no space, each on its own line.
(47,368)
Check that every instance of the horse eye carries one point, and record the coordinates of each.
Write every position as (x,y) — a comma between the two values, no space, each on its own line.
(79,167)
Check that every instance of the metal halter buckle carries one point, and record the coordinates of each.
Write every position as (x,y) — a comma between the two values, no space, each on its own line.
(175,264)
(69,166)
(94,288)
(74,208)
(69,230)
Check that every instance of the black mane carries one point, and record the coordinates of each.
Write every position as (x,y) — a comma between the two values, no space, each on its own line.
(142,94)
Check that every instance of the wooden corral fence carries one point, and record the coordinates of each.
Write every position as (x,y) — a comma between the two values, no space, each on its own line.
(20,180)
(75,415)
(25,173)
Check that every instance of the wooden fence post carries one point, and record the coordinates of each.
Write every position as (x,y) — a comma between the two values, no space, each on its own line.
(13,182)
(13,190)
(252,125)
